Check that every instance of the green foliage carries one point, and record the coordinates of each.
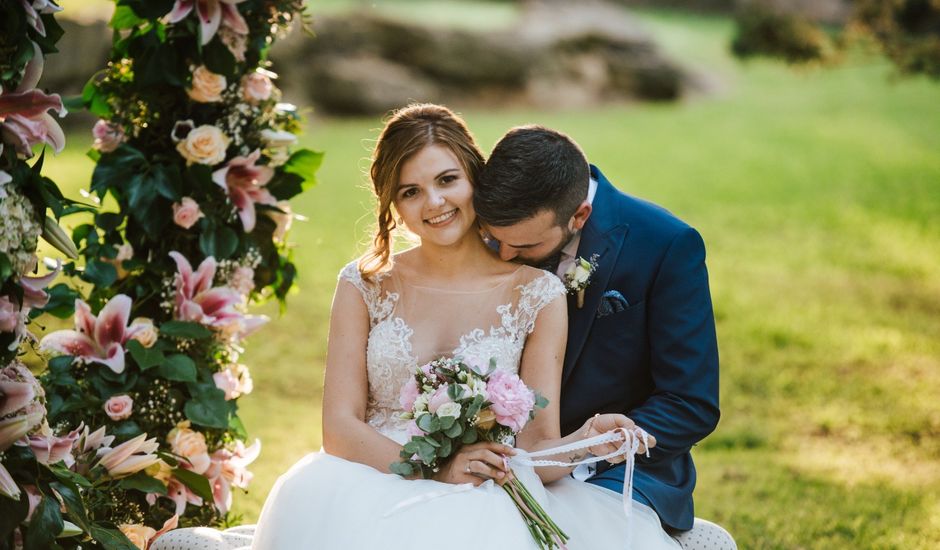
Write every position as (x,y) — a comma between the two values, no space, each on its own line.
(765,31)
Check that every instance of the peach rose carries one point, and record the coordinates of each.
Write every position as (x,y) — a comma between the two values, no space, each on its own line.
(144,332)
(119,407)
(204,145)
(257,87)
(186,213)
(139,535)
(190,445)
(207,86)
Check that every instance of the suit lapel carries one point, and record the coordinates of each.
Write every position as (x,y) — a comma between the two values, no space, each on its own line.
(603,235)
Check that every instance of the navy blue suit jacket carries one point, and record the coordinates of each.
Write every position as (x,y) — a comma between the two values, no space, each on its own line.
(656,360)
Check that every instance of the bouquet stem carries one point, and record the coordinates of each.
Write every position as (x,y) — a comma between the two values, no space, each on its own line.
(546,532)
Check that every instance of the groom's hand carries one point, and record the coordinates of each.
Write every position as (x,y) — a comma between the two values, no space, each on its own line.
(604,423)
(477,463)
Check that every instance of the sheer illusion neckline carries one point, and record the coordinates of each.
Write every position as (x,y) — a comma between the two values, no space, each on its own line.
(508,278)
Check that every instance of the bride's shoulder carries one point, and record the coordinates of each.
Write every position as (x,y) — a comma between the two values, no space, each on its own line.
(538,281)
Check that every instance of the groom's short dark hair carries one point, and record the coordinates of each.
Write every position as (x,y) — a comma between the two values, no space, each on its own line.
(531,169)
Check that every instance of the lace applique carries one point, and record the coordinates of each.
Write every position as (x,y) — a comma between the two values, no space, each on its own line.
(389,355)
(379,306)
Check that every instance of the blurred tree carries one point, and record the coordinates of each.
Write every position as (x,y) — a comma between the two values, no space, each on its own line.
(907,31)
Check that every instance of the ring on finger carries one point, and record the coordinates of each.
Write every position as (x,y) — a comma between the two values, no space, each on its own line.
(468,466)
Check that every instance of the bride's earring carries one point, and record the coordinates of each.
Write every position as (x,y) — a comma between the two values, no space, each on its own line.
(399,220)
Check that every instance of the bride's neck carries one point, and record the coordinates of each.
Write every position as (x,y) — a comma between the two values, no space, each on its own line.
(467,255)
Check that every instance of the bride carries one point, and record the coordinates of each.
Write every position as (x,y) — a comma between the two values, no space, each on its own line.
(447,296)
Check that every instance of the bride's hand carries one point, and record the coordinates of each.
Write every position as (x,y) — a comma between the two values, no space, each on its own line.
(603,423)
(477,463)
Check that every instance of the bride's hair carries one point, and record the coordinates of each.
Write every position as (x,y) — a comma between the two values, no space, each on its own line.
(406,132)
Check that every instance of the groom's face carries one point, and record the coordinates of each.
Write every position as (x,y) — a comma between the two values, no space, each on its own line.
(533,240)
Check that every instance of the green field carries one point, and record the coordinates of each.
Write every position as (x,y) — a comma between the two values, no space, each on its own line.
(818,194)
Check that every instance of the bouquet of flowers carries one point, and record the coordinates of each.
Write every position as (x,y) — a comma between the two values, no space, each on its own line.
(452,403)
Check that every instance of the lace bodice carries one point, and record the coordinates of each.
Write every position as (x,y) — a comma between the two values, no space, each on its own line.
(403,318)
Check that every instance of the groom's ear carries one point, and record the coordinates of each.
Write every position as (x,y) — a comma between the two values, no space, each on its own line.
(581,215)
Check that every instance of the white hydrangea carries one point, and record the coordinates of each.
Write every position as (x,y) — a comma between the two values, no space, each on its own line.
(19,230)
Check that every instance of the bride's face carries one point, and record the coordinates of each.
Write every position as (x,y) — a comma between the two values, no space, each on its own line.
(434,196)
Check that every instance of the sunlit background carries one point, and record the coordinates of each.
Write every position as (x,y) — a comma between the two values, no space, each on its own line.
(816,189)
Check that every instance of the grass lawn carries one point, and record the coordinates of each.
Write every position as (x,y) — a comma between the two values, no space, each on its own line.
(817,193)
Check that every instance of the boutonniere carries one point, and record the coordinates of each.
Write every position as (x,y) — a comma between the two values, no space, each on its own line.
(578,277)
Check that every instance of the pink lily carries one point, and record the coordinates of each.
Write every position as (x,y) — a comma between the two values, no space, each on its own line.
(129,457)
(24,117)
(16,427)
(15,395)
(244,182)
(181,495)
(168,525)
(92,441)
(98,339)
(230,469)
(197,300)
(211,14)
(8,486)
(52,449)
(9,315)
(34,288)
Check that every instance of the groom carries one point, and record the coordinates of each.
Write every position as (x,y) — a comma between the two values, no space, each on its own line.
(642,340)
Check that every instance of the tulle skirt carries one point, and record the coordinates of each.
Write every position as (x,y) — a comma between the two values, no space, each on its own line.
(325,502)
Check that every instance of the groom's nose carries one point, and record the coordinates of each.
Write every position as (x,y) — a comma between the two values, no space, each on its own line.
(507,253)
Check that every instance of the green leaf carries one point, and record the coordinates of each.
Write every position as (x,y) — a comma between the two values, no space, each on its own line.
(219,59)
(403,469)
(143,483)
(425,421)
(12,513)
(220,241)
(179,368)
(124,18)
(66,475)
(305,163)
(148,9)
(146,358)
(468,437)
(75,508)
(100,274)
(111,539)
(447,422)
(61,302)
(235,424)
(6,267)
(446,448)
(454,431)
(185,329)
(44,525)
(208,406)
(198,483)
(426,451)
(285,185)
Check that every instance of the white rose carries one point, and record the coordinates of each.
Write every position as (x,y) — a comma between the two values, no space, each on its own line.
(207,86)
(204,145)
(581,274)
(449,409)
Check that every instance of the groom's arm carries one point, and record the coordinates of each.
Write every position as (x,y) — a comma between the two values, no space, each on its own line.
(683,407)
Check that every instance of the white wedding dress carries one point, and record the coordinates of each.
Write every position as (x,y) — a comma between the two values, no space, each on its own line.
(325,502)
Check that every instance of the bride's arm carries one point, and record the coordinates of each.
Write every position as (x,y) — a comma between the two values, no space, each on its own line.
(345,391)
(541,368)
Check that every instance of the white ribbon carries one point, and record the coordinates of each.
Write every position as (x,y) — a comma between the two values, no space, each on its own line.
(631,444)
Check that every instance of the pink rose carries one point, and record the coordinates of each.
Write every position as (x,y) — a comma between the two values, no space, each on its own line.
(512,400)
(409,392)
(428,371)
(119,407)
(186,213)
(257,87)
(107,136)
(439,398)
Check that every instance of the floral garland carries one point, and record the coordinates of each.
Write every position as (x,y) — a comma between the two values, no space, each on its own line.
(192,146)
(46,474)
